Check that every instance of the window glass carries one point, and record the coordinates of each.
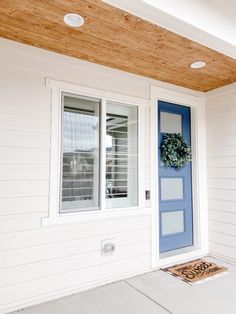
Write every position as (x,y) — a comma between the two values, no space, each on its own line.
(121,155)
(80,158)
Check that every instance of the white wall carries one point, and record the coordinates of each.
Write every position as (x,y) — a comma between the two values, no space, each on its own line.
(41,263)
(221,142)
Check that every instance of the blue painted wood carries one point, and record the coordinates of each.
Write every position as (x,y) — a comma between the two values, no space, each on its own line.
(185,238)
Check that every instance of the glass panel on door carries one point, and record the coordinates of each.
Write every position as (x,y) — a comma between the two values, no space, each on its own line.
(171,122)
(172,222)
(172,189)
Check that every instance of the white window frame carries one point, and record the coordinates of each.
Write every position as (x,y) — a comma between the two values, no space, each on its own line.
(55,217)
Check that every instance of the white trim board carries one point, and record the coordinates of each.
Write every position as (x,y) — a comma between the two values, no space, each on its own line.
(198,133)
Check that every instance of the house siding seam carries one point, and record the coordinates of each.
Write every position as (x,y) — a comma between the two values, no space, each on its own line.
(221,152)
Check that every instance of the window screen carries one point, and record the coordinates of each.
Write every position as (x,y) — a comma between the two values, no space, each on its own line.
(121,155)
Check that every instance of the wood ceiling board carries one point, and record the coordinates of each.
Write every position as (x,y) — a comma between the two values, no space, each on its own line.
(116,39)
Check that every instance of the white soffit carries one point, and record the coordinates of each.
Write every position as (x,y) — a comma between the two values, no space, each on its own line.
(209,22)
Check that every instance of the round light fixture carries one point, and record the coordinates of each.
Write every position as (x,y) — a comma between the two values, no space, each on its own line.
(73,20)
(198,65)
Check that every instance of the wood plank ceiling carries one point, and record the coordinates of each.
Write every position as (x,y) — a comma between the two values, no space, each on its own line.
(116,39)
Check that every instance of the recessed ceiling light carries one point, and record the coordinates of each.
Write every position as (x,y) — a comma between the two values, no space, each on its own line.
(198,65)
(73,20)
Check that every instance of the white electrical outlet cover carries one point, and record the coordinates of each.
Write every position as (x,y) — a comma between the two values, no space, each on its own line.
(108,246)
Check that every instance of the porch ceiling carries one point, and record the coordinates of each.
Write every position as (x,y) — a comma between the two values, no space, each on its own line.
(114,38)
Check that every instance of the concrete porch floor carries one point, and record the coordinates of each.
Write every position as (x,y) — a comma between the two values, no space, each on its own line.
(152,293)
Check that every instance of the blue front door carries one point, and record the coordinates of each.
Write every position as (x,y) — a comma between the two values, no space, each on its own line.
(175,186)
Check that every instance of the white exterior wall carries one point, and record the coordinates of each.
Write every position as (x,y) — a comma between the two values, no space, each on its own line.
(41,263)
(221,142)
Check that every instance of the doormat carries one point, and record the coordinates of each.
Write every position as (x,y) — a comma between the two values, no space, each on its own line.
(196,271)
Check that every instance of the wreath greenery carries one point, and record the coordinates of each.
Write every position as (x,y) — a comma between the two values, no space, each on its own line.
(175,152)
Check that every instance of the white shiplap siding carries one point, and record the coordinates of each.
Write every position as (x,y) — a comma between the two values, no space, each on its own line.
(221,145)
(40,263)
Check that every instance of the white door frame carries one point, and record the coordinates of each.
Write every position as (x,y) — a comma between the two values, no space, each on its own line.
(199,176)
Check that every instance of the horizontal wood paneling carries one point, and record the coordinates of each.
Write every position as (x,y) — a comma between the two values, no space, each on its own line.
(220,98)
(14,105)
(24,123)
(217,151)
(219,162)
(224,184)
(35,95)
(221,142)
(18,155)
(24,172)
(114,38)
(14,74)
(16,223)
(223,116)
(226,139)
(221,173)
(227,173)
(222,216)
(223,250)
(225,228)
(10,295)
(221,194)
(222,239)
(61,249)
(38,262)
(42,63)
(22,205)
(23,188)
(59,266)
(12,138)
(219,106)
(68,232)
(222,205)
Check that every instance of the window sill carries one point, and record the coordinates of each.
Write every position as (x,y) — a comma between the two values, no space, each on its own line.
(94,216)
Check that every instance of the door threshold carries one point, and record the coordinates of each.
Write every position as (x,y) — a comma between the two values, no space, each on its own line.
(181,256)
(177,252)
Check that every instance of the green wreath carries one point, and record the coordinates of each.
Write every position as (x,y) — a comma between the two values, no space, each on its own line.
(175,152)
